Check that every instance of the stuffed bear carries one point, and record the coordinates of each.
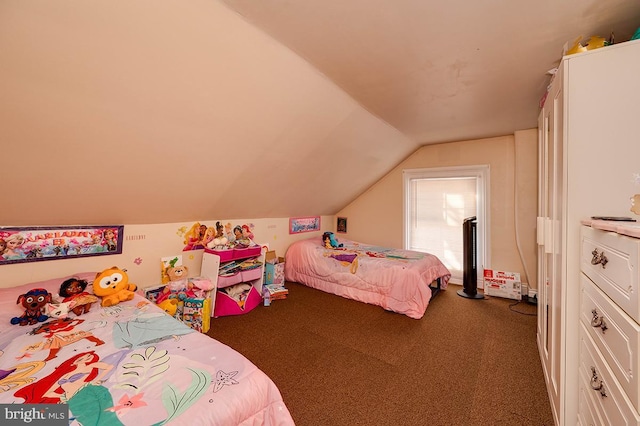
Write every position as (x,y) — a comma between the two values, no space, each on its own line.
(33,302)
(113,286)
(178,273)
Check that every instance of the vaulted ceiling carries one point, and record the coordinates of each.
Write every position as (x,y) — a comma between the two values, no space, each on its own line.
(441,71)
(165,111)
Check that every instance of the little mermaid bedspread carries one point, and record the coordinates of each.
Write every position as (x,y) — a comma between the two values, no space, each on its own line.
(398,280)
(130,364)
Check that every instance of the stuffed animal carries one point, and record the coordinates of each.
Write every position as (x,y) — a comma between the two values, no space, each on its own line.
(170,306)
(58,310)
(33,302)
(329,240)
(113,286)
(73,289)
(178,273)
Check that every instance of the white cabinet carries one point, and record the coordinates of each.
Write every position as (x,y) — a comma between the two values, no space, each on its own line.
(589,151)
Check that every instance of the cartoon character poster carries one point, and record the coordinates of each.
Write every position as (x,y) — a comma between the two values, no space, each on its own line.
(48,243)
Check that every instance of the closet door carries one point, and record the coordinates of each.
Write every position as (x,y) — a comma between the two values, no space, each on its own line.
(550,231)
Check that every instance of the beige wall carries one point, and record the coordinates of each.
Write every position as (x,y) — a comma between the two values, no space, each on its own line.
(377,215)
(149,244)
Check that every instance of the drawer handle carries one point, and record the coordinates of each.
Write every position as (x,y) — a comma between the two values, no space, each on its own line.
(599,258)
(597,384)
(598,321)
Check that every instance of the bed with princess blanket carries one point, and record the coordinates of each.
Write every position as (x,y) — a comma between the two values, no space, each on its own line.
(401,281)
(129,364)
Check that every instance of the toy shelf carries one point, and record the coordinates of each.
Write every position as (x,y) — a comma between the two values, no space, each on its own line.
(223,304)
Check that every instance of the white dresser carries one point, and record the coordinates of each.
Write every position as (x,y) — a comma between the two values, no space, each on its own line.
(609,353)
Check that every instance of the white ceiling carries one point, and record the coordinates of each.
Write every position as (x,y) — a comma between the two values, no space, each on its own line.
(168,111)
(441,71)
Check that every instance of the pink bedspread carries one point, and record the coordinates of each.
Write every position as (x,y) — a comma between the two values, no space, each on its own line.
(130,364)
(398,280)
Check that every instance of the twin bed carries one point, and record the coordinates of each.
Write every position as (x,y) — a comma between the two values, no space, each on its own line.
(401,281)
(130,364)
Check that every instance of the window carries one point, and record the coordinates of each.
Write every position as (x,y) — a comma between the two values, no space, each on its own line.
(436,203)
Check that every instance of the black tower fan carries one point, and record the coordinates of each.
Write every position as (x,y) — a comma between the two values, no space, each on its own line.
(470,259)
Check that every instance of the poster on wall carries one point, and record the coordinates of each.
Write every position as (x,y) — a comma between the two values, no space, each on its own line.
(341,225)
(32,244)
(304,224)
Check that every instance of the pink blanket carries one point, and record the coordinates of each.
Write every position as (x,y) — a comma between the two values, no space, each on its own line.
(398,280)
(130,364)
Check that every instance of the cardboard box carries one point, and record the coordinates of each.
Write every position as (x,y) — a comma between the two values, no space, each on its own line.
(273,268)
(502,284)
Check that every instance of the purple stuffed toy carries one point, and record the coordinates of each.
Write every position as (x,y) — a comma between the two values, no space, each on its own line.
(33,302)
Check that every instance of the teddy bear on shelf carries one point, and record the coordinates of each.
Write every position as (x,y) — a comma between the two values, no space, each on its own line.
(113,286)
(73,289)
(179,285)
(33,302)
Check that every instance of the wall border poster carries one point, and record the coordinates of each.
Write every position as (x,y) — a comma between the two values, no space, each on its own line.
(32,244)
(304,224)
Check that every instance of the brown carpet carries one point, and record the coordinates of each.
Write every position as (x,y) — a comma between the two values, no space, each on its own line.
(341,362)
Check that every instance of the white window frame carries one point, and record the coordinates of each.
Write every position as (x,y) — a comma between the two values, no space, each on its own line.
(481,173)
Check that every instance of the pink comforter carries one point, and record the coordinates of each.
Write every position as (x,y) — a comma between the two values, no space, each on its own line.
(130,364)
(398,280)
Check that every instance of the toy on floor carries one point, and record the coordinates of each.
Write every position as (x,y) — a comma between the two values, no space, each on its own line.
(113,286)
(73,289)
(170,306)
(329,240)
(33,302)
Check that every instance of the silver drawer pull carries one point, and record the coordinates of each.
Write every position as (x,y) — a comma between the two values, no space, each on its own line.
(599,258)
(597,384)
(598,321)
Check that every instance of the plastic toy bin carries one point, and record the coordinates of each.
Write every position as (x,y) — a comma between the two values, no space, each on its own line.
(251,274)
(226,306)
(227,280)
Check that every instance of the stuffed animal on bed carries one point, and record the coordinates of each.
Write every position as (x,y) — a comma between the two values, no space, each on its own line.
(329,240)
(58,310)
(33,302)
(73,289)
(113,286)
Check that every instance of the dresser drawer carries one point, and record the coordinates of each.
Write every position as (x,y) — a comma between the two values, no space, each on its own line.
(608,404)
(587,414)
(618,275)
(615,334)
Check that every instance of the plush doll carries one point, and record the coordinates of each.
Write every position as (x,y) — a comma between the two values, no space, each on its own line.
(329,240)
(178,273)
(73,289)
(58,310)
(179,285)
(33,302)
(113,286)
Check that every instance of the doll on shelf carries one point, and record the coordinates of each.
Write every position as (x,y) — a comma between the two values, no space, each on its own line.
(241,241)
(73,289)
